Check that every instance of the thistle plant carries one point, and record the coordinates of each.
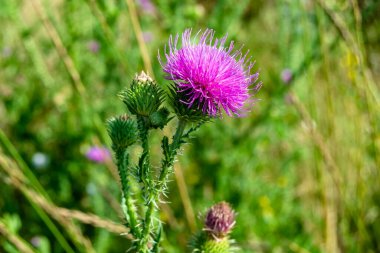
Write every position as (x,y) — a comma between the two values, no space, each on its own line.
(207,79)
(214,238)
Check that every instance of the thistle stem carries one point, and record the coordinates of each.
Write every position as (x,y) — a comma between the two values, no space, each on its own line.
(178,134)
(162,181)
(143,243)
(174,146)
(146,179)
(131,216)
(144,161)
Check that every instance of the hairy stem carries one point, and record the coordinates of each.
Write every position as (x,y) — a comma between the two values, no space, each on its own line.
(152,192)
(178,134)
(144,161)
(131,216)
(173,148)
(146,179)
(160,186)
(143,243)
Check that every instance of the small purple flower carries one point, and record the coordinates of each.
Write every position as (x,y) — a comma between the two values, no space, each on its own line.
(287,76)
(93,46)
(98,154)
(36,241)
(220,219)
(148,36)
(209,75)
(147,6)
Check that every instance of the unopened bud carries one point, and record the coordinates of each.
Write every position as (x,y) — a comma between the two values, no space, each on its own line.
(182,110)
(160,118)
(144,97)
(220,220)
(143,77)
(123,132)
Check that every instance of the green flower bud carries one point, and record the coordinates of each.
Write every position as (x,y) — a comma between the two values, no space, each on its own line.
(183,111)
(144,97)
(206,243)
(160,118)
(217,246)
(123,132)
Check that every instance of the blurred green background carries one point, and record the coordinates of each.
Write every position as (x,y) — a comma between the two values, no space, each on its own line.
(302,170)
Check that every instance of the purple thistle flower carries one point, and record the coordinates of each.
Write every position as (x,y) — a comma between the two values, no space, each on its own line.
(98,154)
(210,76)
(220,219)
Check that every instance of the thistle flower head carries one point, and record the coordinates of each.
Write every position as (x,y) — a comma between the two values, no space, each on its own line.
(123,132)
(160,118)
(220,219)
(144,96)
(210,76)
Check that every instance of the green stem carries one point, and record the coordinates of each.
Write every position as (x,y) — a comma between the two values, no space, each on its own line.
(154,195)
(178,134)
(174,146)
(131,216)
(146,179)
(157,239)
(144,162)
(143,243)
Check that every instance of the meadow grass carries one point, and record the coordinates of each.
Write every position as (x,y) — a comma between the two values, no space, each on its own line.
(302,170)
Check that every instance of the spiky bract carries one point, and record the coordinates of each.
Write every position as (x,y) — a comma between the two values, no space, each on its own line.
(123,132)
(143,97)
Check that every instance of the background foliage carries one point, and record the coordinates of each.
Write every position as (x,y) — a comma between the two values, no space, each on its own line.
(302,170)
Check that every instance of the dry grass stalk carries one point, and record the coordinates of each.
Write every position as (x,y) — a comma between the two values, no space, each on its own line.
(18,180)
(139,36)
(330,181)
(63,215)
(20,244)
